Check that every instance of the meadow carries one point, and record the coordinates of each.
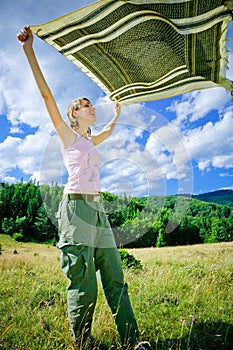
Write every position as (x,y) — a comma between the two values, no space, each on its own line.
(182,298)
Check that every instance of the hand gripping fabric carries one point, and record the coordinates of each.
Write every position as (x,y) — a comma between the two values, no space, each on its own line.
(144,50)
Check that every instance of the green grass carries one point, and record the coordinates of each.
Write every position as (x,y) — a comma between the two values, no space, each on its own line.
(182,298)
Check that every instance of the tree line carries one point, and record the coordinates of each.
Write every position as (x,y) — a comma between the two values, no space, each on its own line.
(28,213)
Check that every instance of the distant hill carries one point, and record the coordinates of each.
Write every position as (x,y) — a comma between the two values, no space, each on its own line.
(221,197)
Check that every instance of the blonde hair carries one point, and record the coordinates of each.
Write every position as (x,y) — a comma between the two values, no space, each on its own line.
(72,106)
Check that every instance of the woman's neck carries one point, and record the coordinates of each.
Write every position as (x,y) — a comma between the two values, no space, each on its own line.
(82,131)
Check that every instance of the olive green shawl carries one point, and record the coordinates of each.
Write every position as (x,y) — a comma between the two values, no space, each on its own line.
(143,50)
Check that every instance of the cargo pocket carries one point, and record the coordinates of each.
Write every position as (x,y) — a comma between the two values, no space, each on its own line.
(66,211)
(73,263)
(71,210)
(65,215)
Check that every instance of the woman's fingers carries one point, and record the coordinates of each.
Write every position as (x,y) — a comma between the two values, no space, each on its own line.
(24,34)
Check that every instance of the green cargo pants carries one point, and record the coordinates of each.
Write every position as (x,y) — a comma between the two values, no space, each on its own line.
(80,262)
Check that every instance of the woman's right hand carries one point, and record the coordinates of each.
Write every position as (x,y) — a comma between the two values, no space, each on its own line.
(25,37)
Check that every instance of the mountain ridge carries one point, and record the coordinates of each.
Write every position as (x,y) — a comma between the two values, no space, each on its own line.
(224,197)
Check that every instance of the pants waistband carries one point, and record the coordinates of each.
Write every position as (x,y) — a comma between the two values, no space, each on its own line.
(82,196)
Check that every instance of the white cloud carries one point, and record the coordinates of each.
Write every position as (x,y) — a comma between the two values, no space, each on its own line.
(24,154)
(198,104)
(15,130)
(167,146)
(226,175)
(8,151)
(51,167)
(212,144)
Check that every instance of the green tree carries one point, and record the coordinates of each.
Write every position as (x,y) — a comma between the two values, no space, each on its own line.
(11,226)
(43,228)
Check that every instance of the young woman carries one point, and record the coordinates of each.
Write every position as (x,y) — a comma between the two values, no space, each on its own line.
(86,240)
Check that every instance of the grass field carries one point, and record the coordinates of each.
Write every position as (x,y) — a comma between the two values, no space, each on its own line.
(182,298)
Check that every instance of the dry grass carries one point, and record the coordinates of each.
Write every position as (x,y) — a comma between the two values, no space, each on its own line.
(182,298)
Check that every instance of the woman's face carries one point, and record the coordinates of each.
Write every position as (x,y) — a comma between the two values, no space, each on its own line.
(86,112)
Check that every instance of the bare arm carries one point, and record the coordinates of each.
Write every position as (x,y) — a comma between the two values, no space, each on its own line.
(25,38)
(108,129)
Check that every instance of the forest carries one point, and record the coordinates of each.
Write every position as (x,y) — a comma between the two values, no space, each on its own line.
(28,213)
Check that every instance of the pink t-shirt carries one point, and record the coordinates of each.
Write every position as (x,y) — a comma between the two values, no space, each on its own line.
(83,164)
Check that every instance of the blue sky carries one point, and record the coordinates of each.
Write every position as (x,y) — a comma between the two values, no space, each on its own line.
(177,145)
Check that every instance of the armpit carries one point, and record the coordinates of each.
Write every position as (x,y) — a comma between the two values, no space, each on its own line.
(66,134)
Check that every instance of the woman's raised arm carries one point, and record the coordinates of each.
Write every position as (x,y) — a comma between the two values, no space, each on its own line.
(25,38)
(108,129)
